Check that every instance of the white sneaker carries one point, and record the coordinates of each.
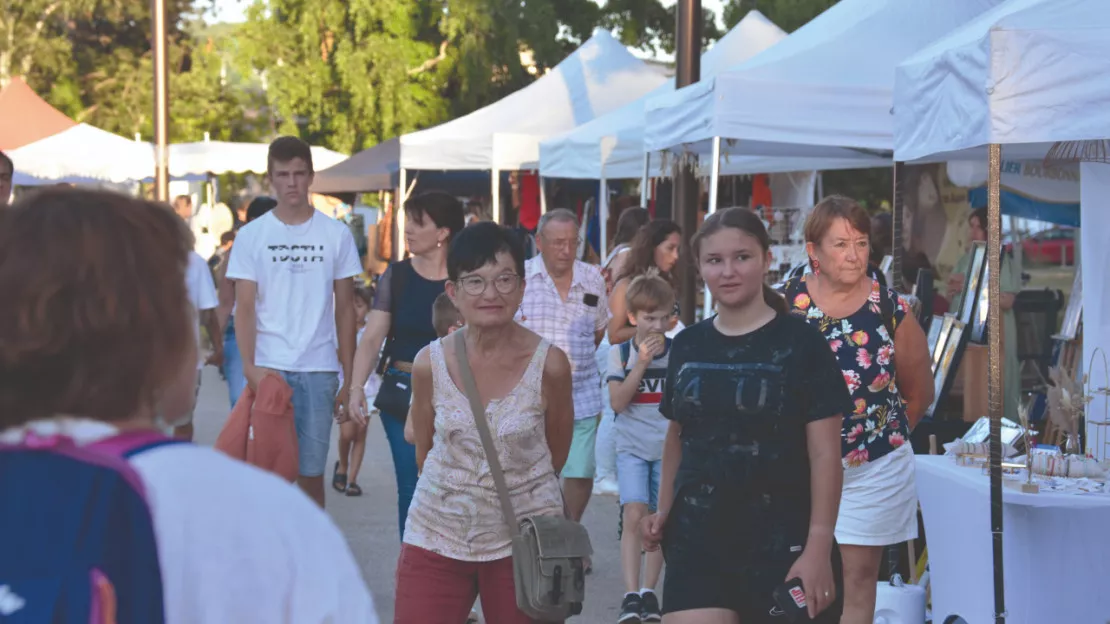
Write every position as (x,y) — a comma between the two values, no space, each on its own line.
(606,487)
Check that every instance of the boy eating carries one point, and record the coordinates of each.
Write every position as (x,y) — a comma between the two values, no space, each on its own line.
(637,373)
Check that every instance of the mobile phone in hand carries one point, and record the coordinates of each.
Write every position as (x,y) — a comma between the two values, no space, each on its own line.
(790,598)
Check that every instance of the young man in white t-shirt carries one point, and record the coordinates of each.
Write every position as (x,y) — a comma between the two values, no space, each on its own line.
(637,378)
(202,294)
(293,297)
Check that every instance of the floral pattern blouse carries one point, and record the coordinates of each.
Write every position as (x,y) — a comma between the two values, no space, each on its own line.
(864,348)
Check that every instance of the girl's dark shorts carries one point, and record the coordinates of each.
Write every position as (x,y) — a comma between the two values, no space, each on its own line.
(725,553)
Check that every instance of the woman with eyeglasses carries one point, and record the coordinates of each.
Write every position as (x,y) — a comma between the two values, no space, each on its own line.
(402,313)
(456,543)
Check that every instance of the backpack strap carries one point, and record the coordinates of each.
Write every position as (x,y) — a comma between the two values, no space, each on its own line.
(398,277)
(886,309)
(626,353)
(128,444)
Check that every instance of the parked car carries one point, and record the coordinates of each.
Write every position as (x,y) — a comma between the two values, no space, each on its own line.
(1050,246)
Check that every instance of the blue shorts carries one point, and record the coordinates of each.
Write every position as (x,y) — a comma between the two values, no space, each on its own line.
(638,480)
(313,412)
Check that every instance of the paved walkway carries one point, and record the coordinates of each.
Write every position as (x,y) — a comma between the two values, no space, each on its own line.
(370,521)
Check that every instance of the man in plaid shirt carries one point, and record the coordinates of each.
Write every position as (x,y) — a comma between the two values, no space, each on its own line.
(565,302)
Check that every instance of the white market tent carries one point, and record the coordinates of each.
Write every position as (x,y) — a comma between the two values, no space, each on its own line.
(824,91)
(612,146)
(217,157)
(83,154)
(598,77)
(1025,75)
(1020,78)
(987,82)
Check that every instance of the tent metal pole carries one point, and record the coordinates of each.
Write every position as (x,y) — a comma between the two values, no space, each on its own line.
(543,196)
(714,190)
(399,206)
(603,216)
(898,207)
(994,379)
(645,181)
(495,194)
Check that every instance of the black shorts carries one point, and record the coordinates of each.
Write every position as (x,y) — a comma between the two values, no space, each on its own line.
(723,553)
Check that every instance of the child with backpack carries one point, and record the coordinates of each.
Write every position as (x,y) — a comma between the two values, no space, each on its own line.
(637,373)
(106,520)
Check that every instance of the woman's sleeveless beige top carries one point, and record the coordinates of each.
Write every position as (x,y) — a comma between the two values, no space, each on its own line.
(455,511)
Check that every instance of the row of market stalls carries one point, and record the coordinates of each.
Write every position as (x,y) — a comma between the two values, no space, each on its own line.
(48,148)
(924,87)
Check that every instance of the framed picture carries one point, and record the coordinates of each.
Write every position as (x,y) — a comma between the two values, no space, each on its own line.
(1074,312)
(933,336)
(948,365)
(942,338)
(971,282)
(982,307)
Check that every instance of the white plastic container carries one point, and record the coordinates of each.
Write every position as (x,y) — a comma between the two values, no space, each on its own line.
(903,604)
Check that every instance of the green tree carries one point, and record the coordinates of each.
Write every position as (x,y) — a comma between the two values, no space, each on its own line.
(29,41)
(790,15)
(91,59)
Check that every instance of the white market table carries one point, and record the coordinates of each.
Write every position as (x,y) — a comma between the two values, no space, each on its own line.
(1056,549)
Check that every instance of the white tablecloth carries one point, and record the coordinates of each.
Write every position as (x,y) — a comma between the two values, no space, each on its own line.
(1056,549)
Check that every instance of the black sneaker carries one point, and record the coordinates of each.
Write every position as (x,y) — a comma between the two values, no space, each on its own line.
(649,608)
(630,610)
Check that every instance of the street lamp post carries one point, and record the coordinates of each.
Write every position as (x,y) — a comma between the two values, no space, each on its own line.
(161,100)
(686,196)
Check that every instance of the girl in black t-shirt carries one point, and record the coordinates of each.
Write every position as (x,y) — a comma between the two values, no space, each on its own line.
(751,464)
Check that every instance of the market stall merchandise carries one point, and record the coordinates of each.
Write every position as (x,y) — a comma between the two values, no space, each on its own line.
(1056,560)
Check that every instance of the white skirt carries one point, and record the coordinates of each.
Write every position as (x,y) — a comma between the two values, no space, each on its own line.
(878,506)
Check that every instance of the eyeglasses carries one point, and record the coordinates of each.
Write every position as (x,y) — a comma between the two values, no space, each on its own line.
(563,244)
(475,285)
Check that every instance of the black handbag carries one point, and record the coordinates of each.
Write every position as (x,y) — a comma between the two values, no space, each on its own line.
(395,393)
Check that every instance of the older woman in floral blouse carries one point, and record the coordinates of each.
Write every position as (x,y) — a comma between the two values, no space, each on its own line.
(866,325)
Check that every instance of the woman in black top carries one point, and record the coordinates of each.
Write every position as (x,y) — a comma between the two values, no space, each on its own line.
(402,312)
(751,464)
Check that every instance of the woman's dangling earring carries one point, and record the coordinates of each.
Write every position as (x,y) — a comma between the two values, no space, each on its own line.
(816,266)
(439,244)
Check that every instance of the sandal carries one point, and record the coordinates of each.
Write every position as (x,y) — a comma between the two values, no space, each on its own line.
(354,490)
(338,479)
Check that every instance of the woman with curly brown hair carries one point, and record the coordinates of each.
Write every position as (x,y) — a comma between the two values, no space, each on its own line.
(97,340)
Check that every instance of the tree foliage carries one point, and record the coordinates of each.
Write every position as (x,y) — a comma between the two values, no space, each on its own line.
(351,73)
(790,15)
(91,59)
(346,74)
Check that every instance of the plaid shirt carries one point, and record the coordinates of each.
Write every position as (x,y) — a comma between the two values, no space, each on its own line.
(569,325)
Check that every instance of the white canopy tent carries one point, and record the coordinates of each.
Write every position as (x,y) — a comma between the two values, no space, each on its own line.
(987,83)
(1010,84)
(82,154)
(824,91)
(1025,75)
(598,77)
(217,157)
(612,145)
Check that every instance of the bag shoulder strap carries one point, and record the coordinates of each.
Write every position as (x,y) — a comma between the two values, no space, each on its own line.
(626,353)
(886,309)
(470,387)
